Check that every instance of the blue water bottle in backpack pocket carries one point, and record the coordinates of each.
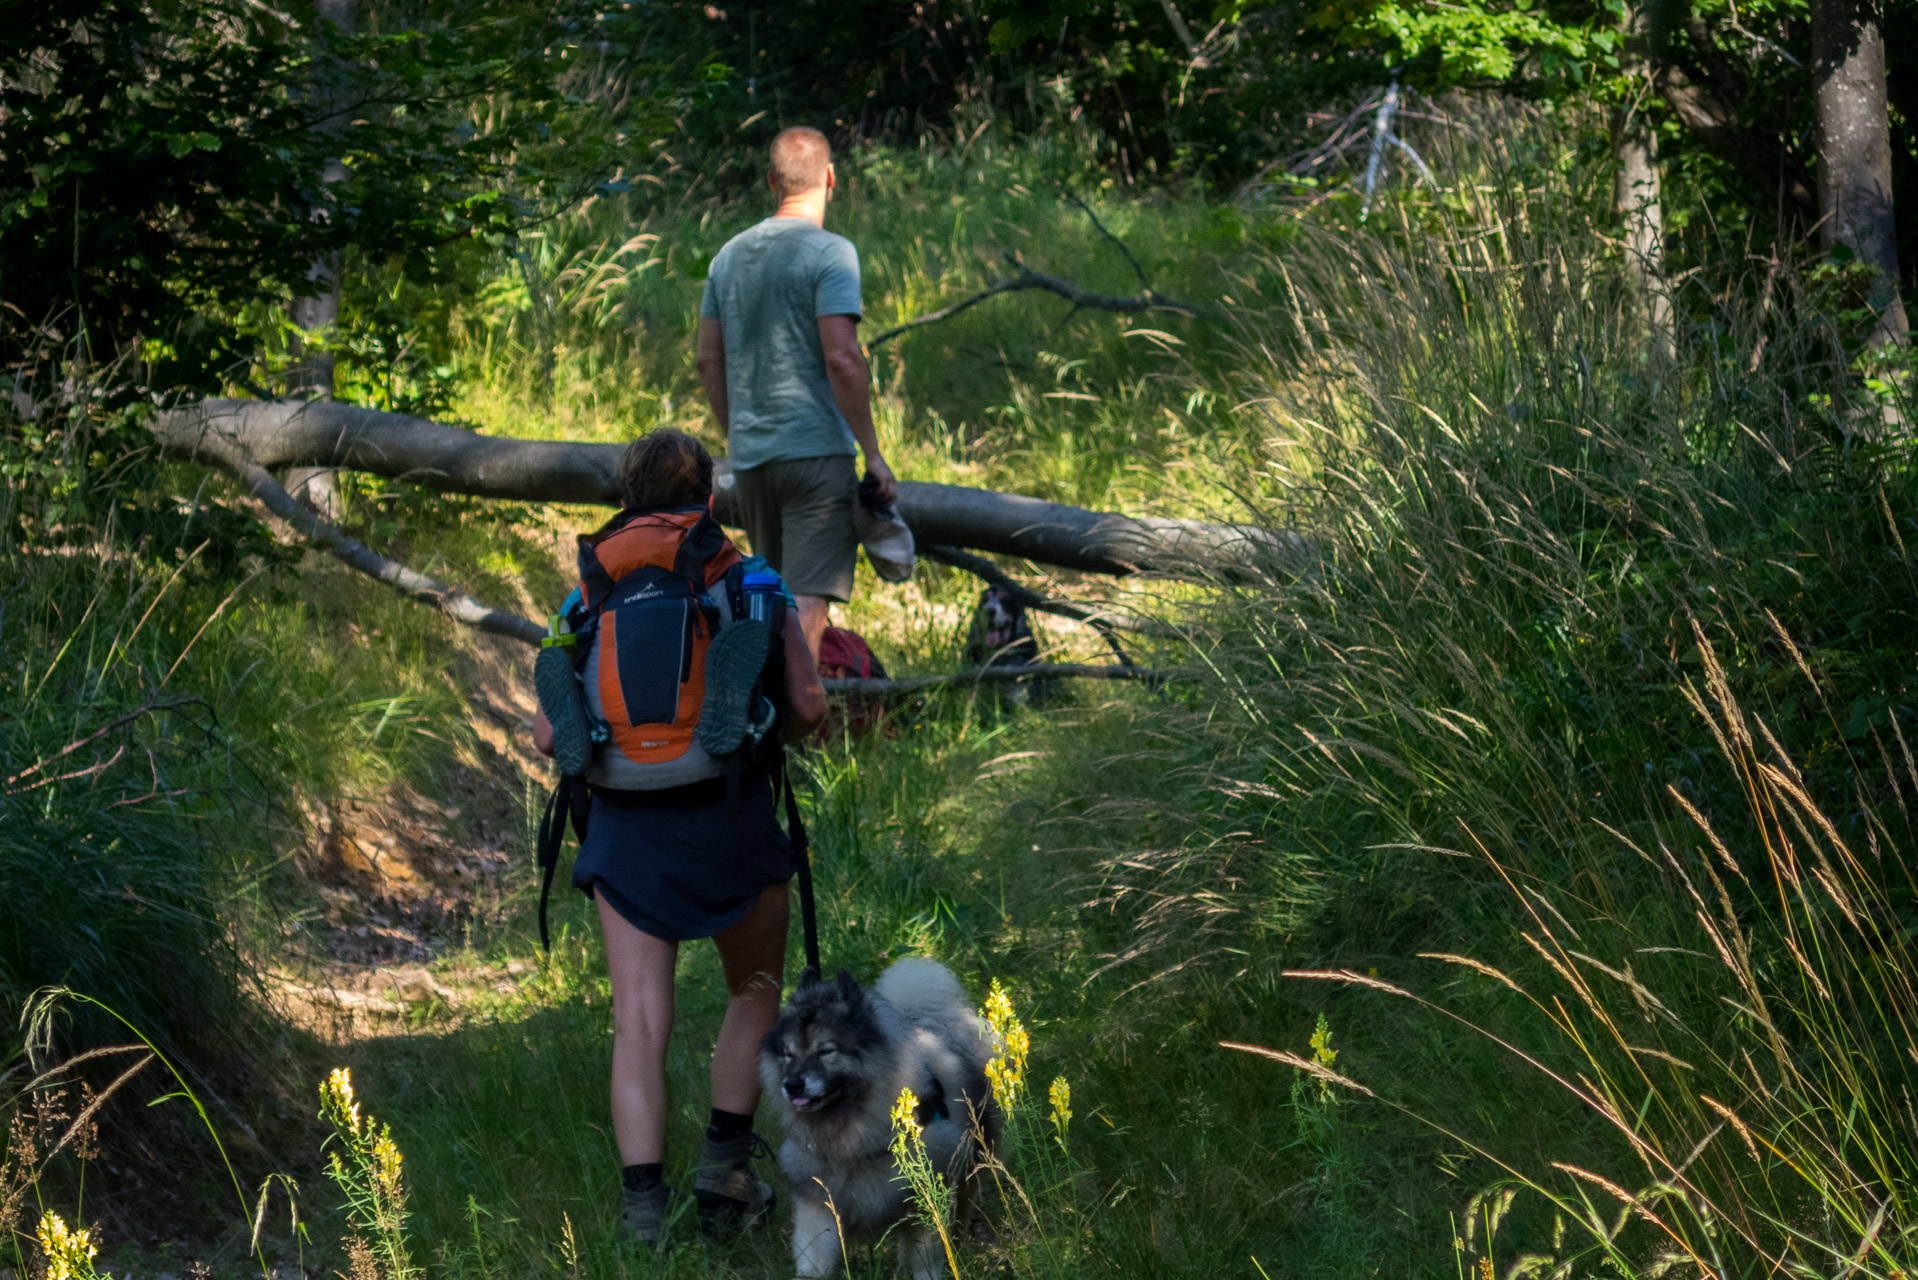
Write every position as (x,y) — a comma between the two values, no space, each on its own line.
(763,596)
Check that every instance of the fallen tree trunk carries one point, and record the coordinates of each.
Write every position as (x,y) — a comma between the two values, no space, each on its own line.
(276,435)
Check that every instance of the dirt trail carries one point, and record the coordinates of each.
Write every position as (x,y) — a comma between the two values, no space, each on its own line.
(400,877)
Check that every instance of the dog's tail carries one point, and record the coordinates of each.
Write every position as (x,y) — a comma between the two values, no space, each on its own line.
(924,990)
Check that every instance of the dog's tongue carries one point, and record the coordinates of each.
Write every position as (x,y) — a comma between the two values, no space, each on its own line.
(801,1103)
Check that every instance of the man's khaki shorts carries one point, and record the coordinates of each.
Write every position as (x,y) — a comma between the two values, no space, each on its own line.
(798,514)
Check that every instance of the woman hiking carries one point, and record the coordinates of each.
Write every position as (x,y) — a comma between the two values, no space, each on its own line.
(680,843)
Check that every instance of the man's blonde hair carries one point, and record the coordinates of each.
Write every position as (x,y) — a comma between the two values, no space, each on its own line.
(800,159)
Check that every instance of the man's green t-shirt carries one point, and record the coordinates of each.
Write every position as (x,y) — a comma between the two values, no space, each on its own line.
(768,287)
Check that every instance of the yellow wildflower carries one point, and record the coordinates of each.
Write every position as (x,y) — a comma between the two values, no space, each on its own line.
(1018,1045)
(70,1251)
(1322,1051)
(998,1011)
(386,1161)
(1007,1069)
(905,1113)
(1060,1095)
(1324,1054)
(338,1104)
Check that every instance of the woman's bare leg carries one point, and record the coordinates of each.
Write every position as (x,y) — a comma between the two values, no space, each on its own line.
(753,954)
(641,969)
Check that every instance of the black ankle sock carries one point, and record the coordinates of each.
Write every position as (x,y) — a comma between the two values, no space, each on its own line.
(727,1125)
(642,1177)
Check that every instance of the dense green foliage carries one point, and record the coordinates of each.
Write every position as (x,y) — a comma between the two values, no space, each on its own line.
(166,165)
(164,169)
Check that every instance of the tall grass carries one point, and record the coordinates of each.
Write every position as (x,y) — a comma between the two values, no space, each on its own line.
(179,695)
(1597,697)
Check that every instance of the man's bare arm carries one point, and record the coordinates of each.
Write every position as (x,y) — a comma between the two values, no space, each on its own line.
(711,363)
(852,391)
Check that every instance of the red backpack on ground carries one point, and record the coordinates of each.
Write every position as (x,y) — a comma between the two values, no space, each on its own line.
(844,655)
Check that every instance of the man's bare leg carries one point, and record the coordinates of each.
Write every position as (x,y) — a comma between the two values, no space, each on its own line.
(815,615)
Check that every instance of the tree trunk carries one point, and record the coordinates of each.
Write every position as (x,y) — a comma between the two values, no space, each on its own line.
(1854,150)
(1638,194)
(310,377)
(278,434)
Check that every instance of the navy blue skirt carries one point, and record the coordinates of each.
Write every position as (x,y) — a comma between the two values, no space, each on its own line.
(684,864)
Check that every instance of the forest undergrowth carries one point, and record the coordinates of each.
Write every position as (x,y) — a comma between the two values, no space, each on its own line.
(1521,888)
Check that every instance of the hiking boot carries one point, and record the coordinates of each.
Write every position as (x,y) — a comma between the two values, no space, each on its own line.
(724,1184)
(643,1214)
(559,698)
(734,661)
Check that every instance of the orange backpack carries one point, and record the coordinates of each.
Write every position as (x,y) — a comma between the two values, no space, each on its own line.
(652,585)
(657,585)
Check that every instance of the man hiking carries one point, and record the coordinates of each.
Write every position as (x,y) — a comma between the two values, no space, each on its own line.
(780,360)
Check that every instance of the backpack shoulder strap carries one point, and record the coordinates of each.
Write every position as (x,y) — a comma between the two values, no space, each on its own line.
(705,542)
(802,868)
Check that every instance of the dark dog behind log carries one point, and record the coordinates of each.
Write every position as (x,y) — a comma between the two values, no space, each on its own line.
(1001,636)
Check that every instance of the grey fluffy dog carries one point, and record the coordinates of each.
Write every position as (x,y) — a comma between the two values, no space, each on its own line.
(836,1063)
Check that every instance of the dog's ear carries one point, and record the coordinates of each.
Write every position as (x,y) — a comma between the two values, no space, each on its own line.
(849,988)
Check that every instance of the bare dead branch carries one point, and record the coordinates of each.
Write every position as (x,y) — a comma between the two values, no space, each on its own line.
(227,451)
(981,567)
(1145,283)
(996,675)
(1180,30)
(1027,278)
(151,707)
(1301,163)
(456,604)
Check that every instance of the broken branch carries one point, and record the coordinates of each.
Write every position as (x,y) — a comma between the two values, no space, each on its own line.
(456,604)
(1137,270)
(1146,300)
(226,451)
(981,567)
(995,675)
